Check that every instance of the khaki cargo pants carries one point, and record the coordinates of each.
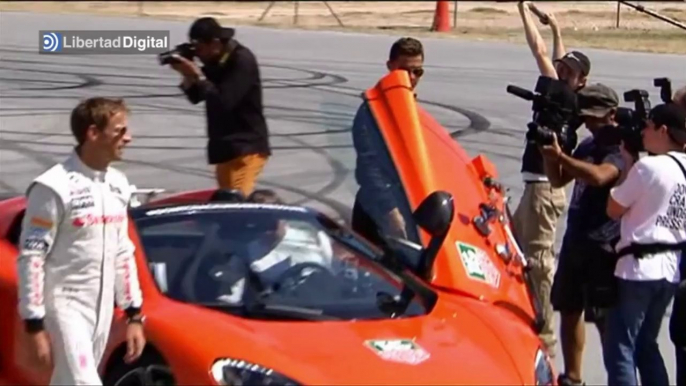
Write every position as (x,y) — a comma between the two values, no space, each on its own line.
(535,221)
(240,173)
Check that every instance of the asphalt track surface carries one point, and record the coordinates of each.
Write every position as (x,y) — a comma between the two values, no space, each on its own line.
(312,83)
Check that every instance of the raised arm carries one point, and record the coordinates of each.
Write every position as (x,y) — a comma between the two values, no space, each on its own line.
(558,47)
(536,43)
(548,18)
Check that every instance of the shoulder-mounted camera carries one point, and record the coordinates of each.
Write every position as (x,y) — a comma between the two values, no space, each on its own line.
(633,121)
(554,104)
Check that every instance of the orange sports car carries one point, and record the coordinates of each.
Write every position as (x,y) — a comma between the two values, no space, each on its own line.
(242,293)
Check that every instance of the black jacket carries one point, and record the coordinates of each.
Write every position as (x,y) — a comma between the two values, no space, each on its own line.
(233,101)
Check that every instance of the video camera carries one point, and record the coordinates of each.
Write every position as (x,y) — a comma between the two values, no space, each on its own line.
(632,122)
(186,50)
(554,105)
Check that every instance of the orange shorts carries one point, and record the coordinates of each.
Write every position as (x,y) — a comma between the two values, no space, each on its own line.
(240,173)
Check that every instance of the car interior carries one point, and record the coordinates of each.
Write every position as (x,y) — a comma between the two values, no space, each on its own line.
(14,231)
(179,254)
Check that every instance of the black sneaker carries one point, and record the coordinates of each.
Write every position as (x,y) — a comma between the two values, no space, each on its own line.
(564,380)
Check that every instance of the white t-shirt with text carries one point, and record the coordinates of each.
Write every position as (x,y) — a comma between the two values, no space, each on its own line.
(655,193)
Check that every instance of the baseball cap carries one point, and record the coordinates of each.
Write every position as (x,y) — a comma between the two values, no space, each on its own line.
(597,100)
(208,28)
(672,116)
(577,61)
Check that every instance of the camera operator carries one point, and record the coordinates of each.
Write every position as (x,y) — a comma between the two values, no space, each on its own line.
(586,257)
(650,205)
(230,85)
(541,205)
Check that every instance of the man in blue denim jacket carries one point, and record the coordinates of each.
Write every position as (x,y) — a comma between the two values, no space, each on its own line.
(377,208)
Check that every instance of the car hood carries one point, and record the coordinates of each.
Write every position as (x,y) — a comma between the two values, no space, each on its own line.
(449,346)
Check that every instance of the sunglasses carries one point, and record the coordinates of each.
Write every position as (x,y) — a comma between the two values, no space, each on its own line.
(417,71)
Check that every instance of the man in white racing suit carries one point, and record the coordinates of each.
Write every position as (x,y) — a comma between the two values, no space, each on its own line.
(75,252)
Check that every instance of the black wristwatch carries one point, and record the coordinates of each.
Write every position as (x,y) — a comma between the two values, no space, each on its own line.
(134,315)
(136,319)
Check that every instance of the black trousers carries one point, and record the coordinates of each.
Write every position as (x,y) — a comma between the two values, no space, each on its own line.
(677,331)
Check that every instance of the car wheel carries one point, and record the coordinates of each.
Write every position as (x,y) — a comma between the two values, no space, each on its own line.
(149,370)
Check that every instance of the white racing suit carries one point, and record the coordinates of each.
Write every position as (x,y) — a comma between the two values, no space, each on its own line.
(74,254)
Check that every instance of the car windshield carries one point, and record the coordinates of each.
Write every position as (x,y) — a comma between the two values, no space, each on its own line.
(278,257)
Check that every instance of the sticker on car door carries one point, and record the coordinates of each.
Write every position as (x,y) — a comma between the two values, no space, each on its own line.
(478,265)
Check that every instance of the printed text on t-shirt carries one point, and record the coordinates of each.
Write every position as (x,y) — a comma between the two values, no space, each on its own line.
(675,218)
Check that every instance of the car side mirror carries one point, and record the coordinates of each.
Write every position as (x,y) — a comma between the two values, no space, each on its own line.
(434,215)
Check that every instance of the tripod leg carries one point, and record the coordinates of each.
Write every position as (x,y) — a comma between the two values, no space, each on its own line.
(266,11)
(295,15)
(333,13)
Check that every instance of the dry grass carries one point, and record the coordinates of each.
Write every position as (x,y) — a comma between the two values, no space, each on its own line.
(585,24)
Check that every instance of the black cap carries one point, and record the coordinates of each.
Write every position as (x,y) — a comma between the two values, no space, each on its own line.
(673,117)
(597,100)
(577,61)
(208,28)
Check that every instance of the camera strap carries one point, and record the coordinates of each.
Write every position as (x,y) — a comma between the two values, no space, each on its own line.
(640,250)
(683,170)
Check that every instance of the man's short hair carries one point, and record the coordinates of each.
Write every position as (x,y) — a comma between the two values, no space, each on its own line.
(578,61)
(94,111)
(673,117)
(406,46)
(206,29)
(597,100)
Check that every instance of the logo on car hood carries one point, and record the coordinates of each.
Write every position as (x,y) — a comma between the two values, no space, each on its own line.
(398,350)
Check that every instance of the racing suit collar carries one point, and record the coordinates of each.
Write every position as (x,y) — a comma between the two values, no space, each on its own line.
(87,171)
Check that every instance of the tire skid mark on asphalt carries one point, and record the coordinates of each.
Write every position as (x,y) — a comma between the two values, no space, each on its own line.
(34,155)
(305,146)
(477,122)
(338,207)
(268,83)
(147,136)
(332,83)
(339,172)
(312,76)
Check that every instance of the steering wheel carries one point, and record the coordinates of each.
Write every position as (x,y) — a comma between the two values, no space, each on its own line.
(294,274)
(190,278)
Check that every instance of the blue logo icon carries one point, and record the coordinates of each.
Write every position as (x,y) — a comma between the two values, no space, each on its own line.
(52,41)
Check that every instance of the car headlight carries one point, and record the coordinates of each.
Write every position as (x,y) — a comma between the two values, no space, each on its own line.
(238,372)
(543,372)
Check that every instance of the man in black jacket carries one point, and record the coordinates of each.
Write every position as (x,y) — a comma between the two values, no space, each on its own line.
(230,85)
